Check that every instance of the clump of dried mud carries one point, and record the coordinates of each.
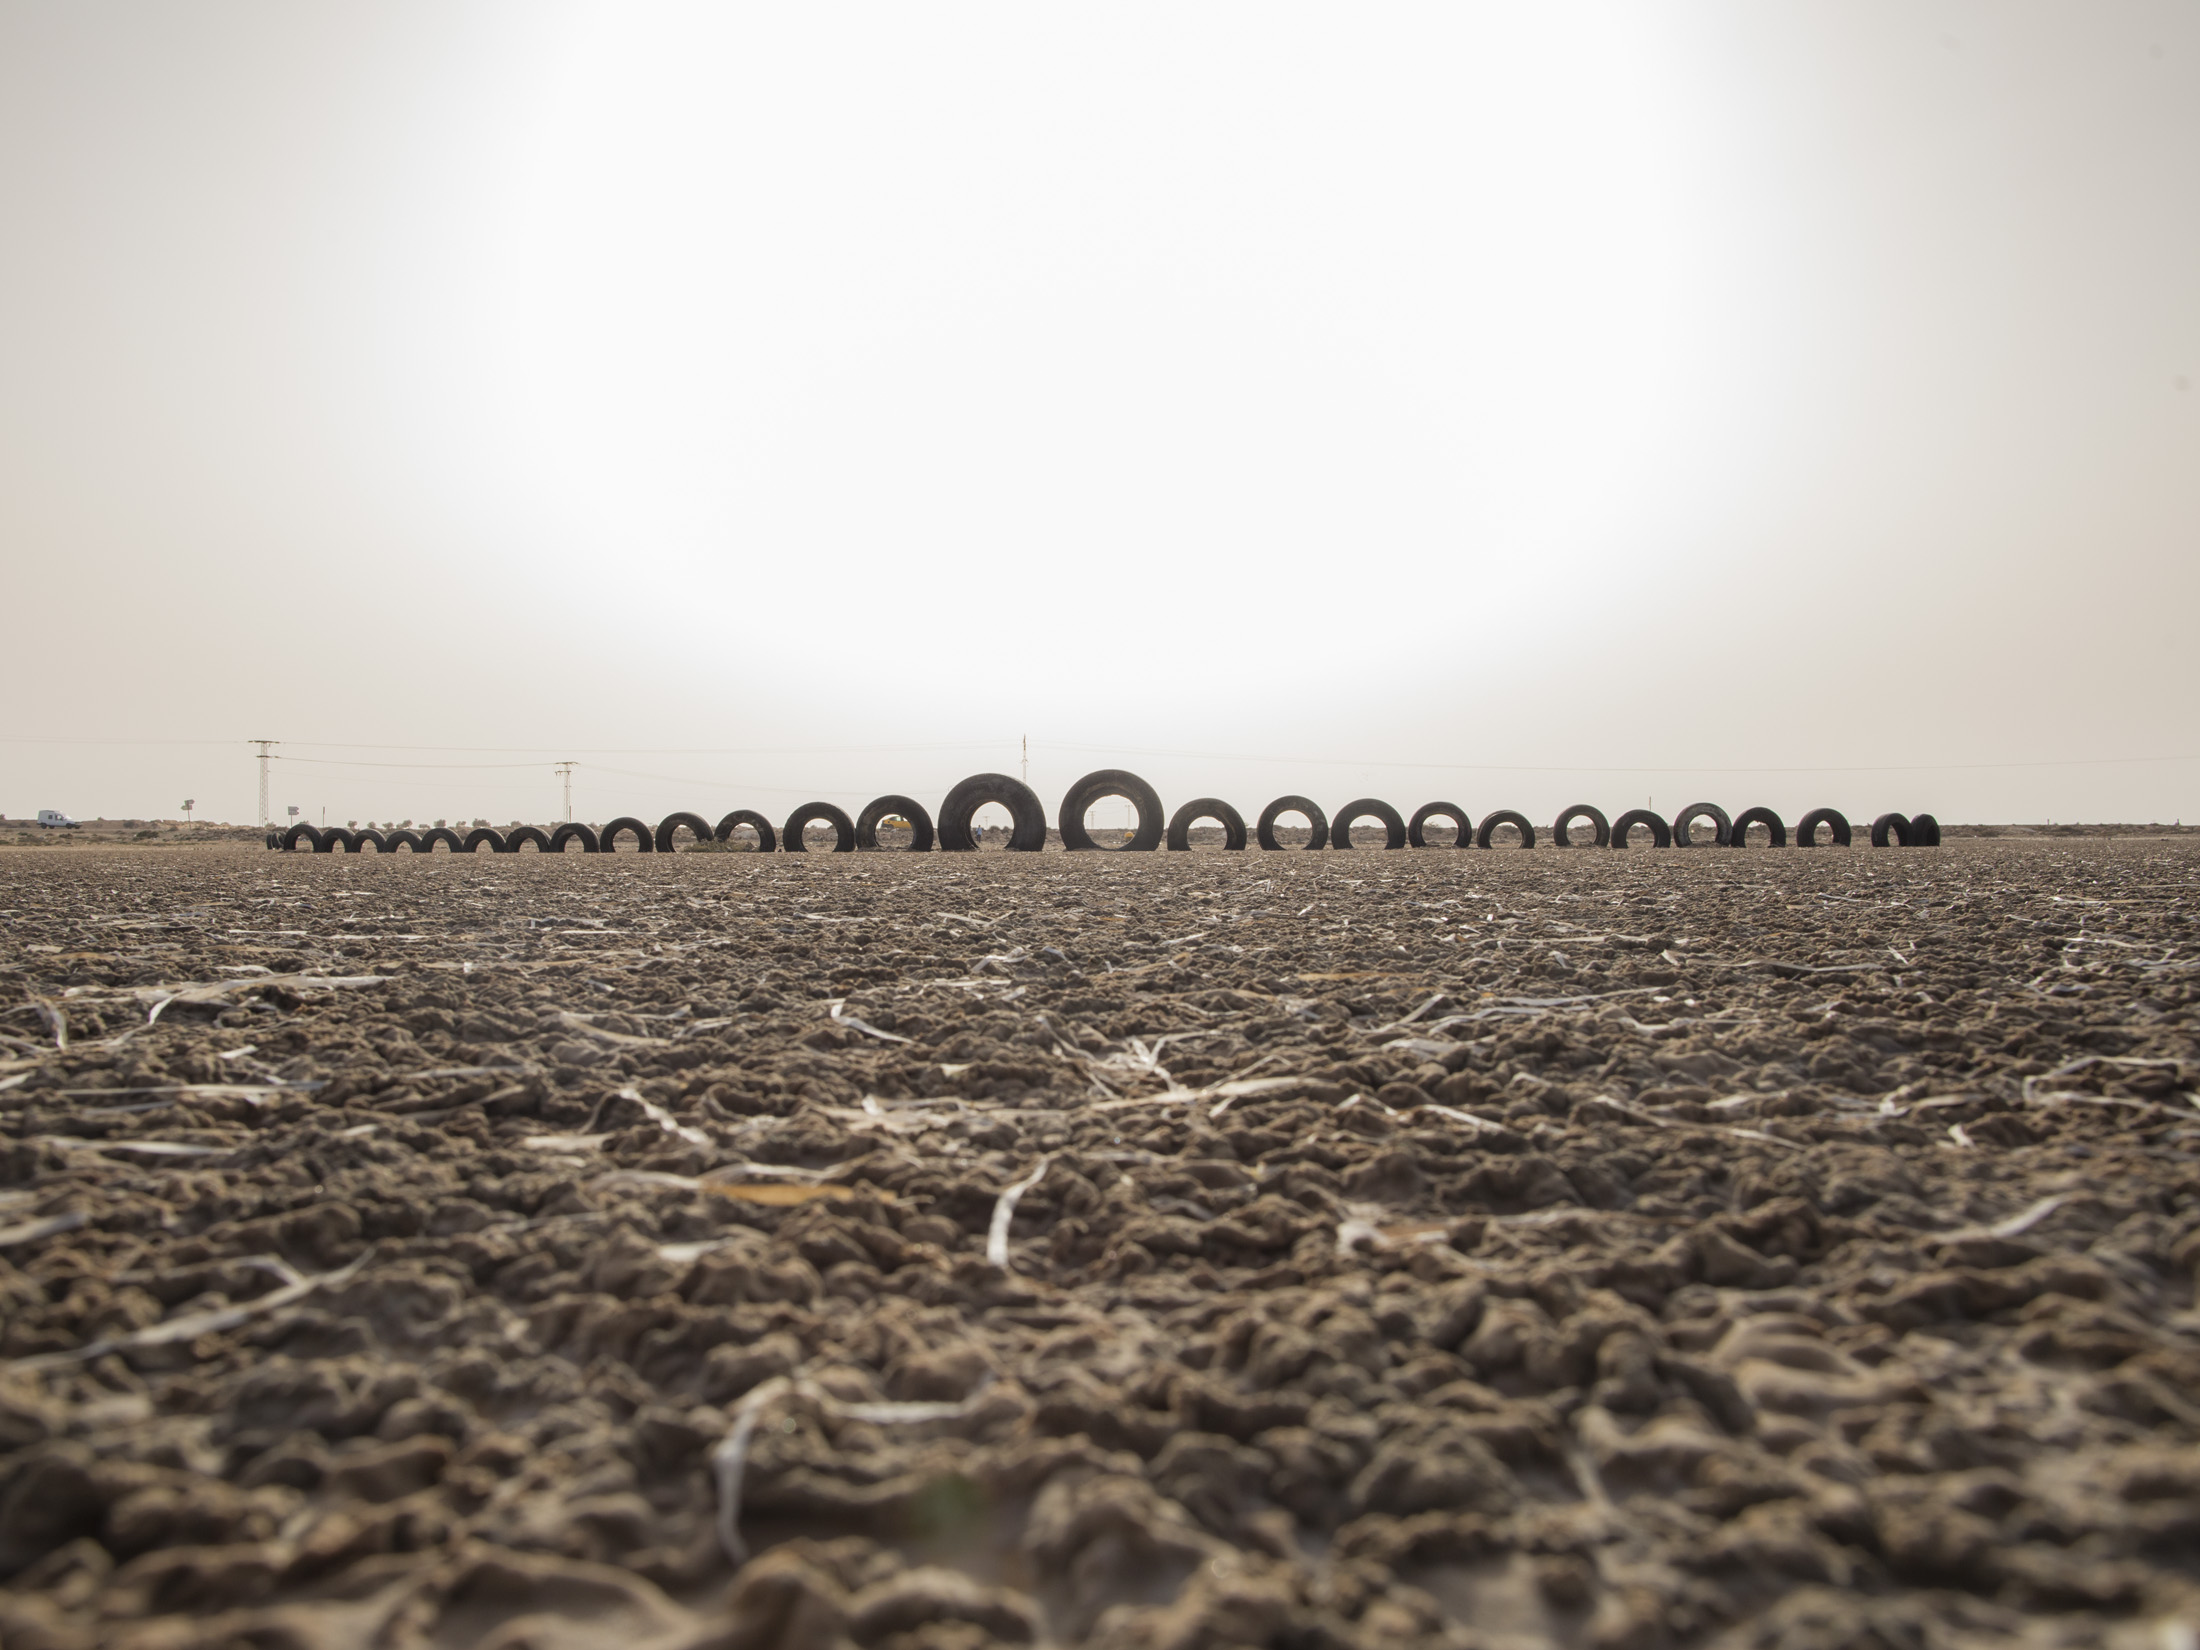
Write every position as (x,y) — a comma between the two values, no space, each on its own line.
(1736,1248)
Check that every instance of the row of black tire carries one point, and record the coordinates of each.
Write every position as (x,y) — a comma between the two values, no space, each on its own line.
(954,831)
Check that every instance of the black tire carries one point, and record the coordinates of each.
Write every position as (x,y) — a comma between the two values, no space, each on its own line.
(519,835)
(1924,831)
(1722,827)
(1891,831)
(1806,828)
(1069,819)
(1505,816)
(1661,834)
(337,840)
(1416,827)
(1265,831)
(360,839)
(1367,807)
(301,832)
(400,839)
(443,834)
(1024,807)
(767,835)
(1561,835)
(275,840)
(844,828)
(573,831)
(1738,837)
(880,809)
(672,822)
(1206,807)
(485,835)
(607,839)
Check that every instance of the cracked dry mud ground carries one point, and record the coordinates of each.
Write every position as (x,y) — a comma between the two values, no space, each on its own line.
(1740,1248)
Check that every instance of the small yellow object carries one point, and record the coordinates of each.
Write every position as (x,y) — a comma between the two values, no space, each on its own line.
(777,1193)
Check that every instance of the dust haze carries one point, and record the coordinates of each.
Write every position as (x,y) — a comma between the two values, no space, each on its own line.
(1589,407)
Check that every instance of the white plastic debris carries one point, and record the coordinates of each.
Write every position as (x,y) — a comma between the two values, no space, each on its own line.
(1004,1210)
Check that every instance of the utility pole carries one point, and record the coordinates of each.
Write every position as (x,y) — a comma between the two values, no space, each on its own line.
(1027,760)
(267,748)
(565,772)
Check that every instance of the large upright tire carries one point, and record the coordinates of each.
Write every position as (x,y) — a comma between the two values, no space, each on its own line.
(301,832)
(1891,831)
(767,837)
(573,831)
(1722,827)
(520,835)
(443,834)
(1661,834)
(607,839)
(394,840)
(1264,832)
(1070,818)
(487,837)
(1206,807)
(1924,831)
(1505,816)
(1775,830)
(360,840)
(672,822)
(1561,832)
(1367,807)
(844,828)
(1806,828)
(1029,834)
(880,809)
(1417,826)
(337,840)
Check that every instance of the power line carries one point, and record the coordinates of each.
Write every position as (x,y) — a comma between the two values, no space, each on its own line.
(725,784)
(1270,760)
(63,739)
(1113,750)
(1524,767)
(460,767)
(552,751)
(446,787)
(1238,756)
(632,750)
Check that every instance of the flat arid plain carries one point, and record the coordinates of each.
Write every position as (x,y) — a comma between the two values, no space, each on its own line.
(1495,1248)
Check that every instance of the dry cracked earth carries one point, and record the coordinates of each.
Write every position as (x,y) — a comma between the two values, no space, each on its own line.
(1503,1249)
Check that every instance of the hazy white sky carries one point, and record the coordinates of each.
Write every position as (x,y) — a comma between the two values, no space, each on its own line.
(1588,403)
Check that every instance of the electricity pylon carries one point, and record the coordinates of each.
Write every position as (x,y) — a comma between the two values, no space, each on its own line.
(267,748)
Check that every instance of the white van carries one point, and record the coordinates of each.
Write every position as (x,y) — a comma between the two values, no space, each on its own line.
(53,819)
